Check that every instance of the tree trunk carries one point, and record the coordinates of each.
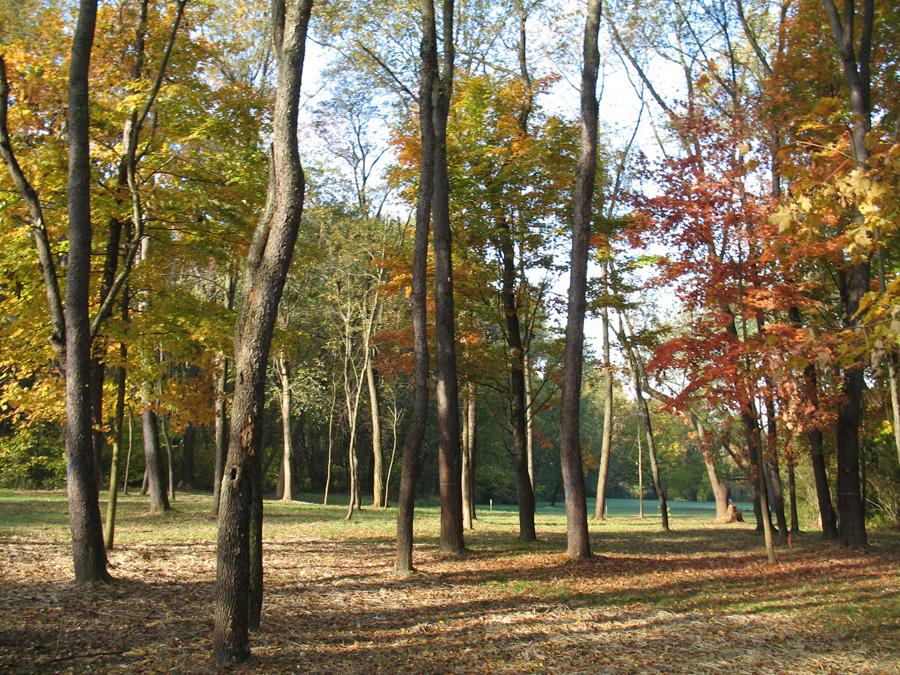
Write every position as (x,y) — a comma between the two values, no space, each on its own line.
(517,407)
(156,481)
(600,507)
(267,265)
(529,421)
(109,533)
(644,415)
(472,433)
(857,71)
(774,471)
(792,490)
(755,452)
(84,510)
(128,455)
(221,434)
(447,388)
(466,467)
(188,446)
(640,463)
(287,480)
(377,454)
(170,464)
(578,542)
(412,445)
(330,442)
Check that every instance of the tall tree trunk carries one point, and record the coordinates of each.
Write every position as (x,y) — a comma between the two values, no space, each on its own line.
(857,71)
(412,444)
(578,542)
(517,407)
(128,454)
(719,489)
(640,463)
(447,389)
(377,454)
(529,421)
(773,468)
(466,467)
(757,463)
(156,481)
(330,441)
(600,507)
(170,463)
(814,437)
(110,530)
(792,489)
(267,265)
(287,480)
(188,446)
(88,551)
(472,433)
(221,434)
(644,414)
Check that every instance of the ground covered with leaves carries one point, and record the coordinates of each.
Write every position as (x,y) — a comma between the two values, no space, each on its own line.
(699,599)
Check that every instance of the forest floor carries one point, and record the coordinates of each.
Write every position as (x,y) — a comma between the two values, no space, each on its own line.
(700,599)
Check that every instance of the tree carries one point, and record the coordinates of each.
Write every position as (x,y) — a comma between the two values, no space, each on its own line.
(266,269)
(415,434)
(578,543)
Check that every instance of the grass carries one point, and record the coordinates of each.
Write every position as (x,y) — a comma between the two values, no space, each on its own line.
(699,599)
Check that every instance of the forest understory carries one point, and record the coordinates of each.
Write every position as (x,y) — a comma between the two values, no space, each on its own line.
(699,599)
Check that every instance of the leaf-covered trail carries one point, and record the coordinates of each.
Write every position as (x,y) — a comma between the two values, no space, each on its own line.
(701,599)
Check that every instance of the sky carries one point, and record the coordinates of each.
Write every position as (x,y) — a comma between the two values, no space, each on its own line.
(620,106)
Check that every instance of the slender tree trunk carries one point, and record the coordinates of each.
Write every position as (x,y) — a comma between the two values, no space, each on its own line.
(529,421)
(447,389)
(644,415)
(773,468)
(377,454)
(857,71)
(330,441)
(221,434)
(188,446)
(88,551)
(600,507)
(170,464)
(109,532)
(287,480)
(403,563)
(517,406)
(472,433)
(267,265)
(128,455)
(761,499)
(395,422)
(156,481)
(466,467)
(640,464)
(578,542)
(792,489)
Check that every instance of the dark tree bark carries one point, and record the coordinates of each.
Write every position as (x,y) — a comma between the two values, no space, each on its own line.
(447,389)
(517,409)
(578,542)
(266,269)
(121,374)
(188,446)
(84,510)
(857,72)
(773,469)
(156,481)
(412,444)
